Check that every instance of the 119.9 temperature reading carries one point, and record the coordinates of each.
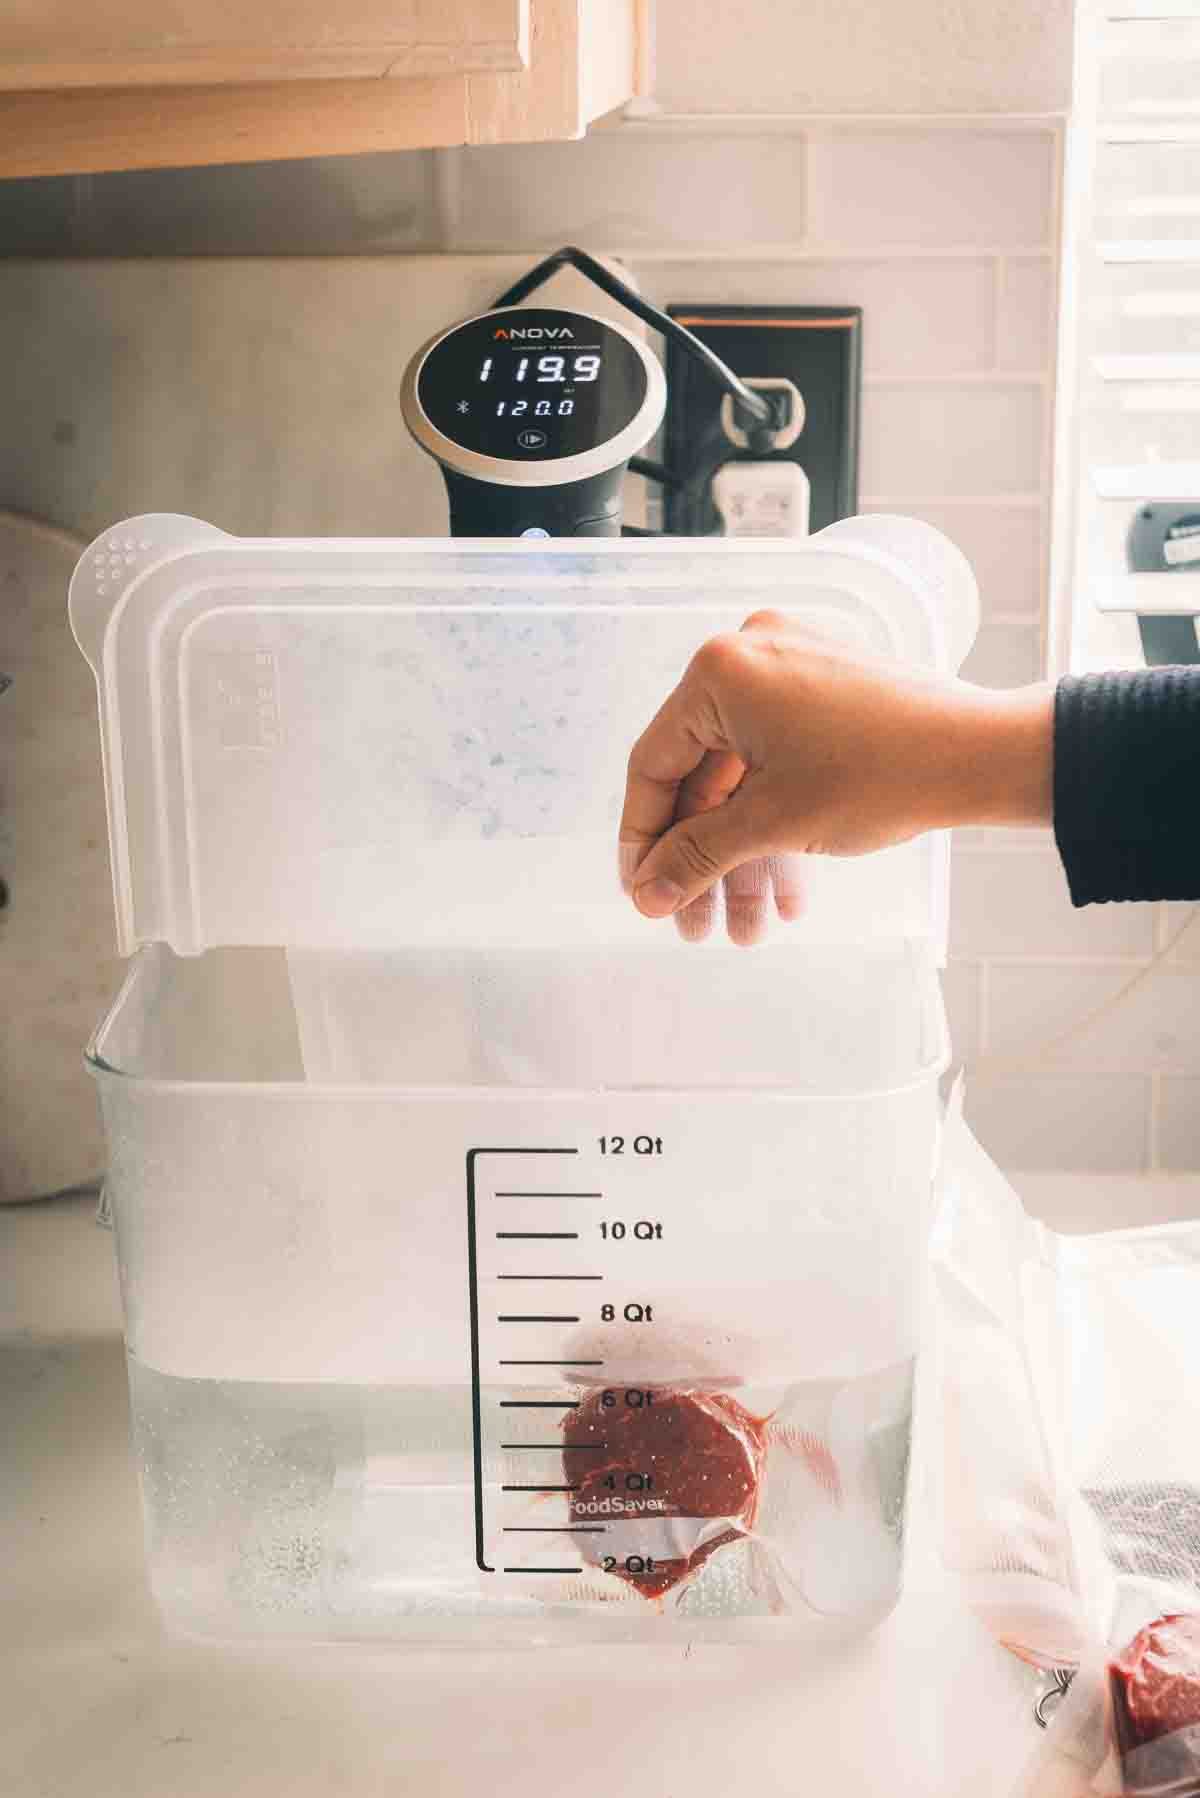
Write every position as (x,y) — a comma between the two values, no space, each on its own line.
(584,367)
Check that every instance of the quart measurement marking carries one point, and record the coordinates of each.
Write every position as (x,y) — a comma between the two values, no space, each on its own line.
(556,1447)
(534,1317)
(549,1276)
(537,1235)
(539,1404)
(539,1488)
(551,1529)
(551,1363)
(551,1195)
(542,1570)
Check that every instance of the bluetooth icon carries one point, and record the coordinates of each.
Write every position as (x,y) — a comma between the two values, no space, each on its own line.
(464,405)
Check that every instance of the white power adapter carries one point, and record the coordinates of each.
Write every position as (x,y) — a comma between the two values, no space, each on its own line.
(762,499)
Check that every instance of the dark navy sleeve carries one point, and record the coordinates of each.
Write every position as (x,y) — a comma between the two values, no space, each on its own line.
(1127,784)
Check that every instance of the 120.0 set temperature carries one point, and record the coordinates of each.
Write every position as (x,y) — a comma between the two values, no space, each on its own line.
(542,408)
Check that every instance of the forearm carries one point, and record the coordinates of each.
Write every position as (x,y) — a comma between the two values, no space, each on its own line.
(1000,757)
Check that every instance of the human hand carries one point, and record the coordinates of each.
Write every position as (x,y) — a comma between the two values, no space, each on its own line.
(777,743)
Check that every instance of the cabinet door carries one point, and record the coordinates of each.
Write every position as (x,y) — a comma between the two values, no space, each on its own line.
(585,57)
(135,43)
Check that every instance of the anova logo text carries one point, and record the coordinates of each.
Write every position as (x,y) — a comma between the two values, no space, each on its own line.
(548,333)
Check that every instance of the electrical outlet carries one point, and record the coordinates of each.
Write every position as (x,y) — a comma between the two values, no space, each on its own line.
(814,352)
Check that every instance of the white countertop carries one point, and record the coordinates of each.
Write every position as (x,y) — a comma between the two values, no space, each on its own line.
(96,1703)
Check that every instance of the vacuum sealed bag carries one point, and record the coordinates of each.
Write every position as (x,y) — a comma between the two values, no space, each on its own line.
(1066,1377)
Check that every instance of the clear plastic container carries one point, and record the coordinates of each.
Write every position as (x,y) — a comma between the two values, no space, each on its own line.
(494,1264)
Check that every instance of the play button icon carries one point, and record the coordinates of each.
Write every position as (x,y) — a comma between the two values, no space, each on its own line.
(532,439)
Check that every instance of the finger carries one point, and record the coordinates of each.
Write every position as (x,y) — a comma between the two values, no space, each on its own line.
(787,879)
(695,921)
(671,747)
(696,852)
(747,893)
(712,782)
(768,621)
(718,775)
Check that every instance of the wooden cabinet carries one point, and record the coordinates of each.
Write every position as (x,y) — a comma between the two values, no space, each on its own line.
(129,43)
(163,83)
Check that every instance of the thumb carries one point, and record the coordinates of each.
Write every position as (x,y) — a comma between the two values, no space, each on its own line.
(694,854)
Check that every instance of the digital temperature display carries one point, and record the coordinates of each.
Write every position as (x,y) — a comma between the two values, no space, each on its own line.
(531,375)
(532,384)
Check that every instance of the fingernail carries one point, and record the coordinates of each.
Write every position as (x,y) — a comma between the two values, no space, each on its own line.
(629,855)
(657,898)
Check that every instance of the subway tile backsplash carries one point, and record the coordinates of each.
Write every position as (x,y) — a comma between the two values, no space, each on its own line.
(1025,313)
(928,315)
(260,391)
(1004,544)
(1181,934)
(867,56)
(945,188)
(1176,1111)
(630,188)
(1006,653)
(952,439)
(1094,1019)
(1012,901)
(1096,1123)
(324,205)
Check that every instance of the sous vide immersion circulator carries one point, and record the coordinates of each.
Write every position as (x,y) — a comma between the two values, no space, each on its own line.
(533,414)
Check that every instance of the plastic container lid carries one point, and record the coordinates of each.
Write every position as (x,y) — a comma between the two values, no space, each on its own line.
(379,742)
